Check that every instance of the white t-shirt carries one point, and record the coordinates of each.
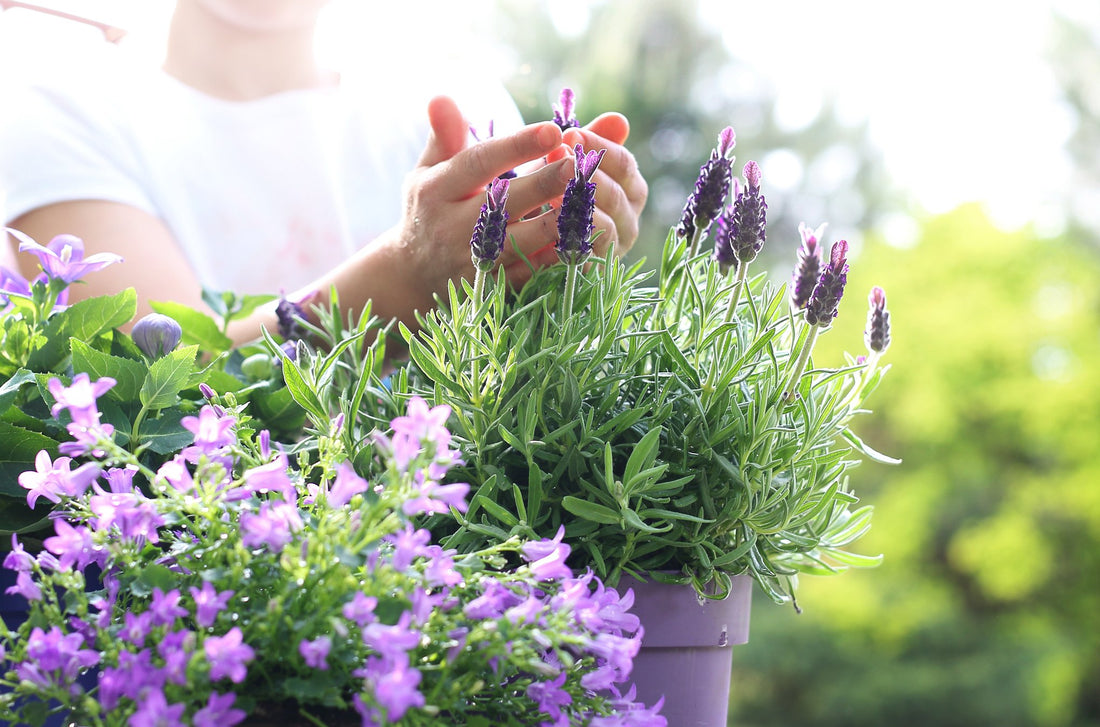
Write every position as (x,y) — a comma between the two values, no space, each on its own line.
(261,196)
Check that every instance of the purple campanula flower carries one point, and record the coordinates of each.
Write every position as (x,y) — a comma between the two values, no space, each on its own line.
(547,558)
(134,516)
(209,603)
(175,473)
(408,544)
(219,712)
(63,258)
(156,335)
(12,283)
(17,558)
(877,335)
(347,485)
(808,270)
(54,479)
(212,430)
(87,440)
(526,611)
(176,647)
(154,711)
(550,696)
(360,609)
(565,115)
(712,187)
(166,607)
(79,397)
(440,569)
(272,477)
(59,654)
(822,307)
(748,217)
(395,686)
(227,656)
(25,587)
(436,498)
(74,546)
(136,627)
(577,205)
(493,601)
(424,423)
(273,527)
(392,641)
(315,652)
(487,241)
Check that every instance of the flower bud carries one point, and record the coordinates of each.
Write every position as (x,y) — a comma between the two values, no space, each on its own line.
(808,269)
(877,335)
(157,335)
(824,301)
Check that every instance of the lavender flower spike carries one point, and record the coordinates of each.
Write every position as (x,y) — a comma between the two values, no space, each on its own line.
(577,205)
(487,242)
(822,308)
(749,217)
(712,187)
(877,335)
(564,111)
(808,269)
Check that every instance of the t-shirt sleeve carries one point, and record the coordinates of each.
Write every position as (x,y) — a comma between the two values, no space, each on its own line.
(66,141)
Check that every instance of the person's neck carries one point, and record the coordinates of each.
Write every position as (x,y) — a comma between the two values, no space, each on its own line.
(232,63)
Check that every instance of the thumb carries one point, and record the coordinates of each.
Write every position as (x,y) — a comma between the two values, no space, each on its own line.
(449,129)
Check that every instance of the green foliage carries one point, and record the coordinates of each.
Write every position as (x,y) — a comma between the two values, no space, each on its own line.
(646,420)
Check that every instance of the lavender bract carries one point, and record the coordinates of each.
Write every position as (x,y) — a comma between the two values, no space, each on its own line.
(487,241)
(564,111)
(577,206)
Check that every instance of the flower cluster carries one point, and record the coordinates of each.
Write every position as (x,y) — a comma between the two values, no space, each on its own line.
(239,579)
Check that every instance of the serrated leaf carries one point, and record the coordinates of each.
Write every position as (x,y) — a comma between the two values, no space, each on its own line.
(165,434)
(18,449)
(127,373)
(10,388)
(90,317)
(167,377)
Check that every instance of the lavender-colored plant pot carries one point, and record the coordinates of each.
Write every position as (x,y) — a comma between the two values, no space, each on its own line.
(686,653)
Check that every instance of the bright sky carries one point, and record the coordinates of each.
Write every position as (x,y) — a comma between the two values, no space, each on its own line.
(955,90)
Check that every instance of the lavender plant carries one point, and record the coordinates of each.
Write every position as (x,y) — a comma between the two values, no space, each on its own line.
(674,424)
(239,582)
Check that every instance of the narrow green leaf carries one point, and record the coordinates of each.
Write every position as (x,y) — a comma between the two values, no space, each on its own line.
(642,456)
(591,511)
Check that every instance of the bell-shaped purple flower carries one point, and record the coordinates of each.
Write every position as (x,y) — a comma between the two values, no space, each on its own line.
(877,335)
(157,335)
(824,301)
(808,269)
(565,110)
(63,258)
(712,188)
(487,242)
(577,205)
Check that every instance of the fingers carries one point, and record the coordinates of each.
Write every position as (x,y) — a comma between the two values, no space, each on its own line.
(467,172)
(611,126)
(544,186)
(448,131)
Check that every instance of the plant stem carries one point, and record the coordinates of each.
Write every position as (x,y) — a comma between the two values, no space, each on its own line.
(479,292)
(693,247)
(567,301)
(136,428)
(800,364)
(735,294)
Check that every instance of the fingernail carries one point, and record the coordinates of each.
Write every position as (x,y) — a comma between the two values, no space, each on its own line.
(548,135)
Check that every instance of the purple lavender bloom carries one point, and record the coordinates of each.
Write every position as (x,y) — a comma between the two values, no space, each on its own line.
(564,110)
(487,241)
(63,259)
(822,307)
(74,546)
(877,335)
(712,187)
(289,316)
(550,696)
(209,603)
(154,711)
(212,430)
(218,712)
(748,217)
(54,479)
(577,205)
(227,656)
(79,397)
(315,652)
(273,527)
(808,270)
(157,335)
(360,609)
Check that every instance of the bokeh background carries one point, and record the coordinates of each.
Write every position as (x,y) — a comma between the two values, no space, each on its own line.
(956,145)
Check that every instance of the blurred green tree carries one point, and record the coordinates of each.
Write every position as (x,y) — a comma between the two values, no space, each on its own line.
(986,610)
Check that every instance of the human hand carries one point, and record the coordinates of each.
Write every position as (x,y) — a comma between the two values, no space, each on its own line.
(444,195)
